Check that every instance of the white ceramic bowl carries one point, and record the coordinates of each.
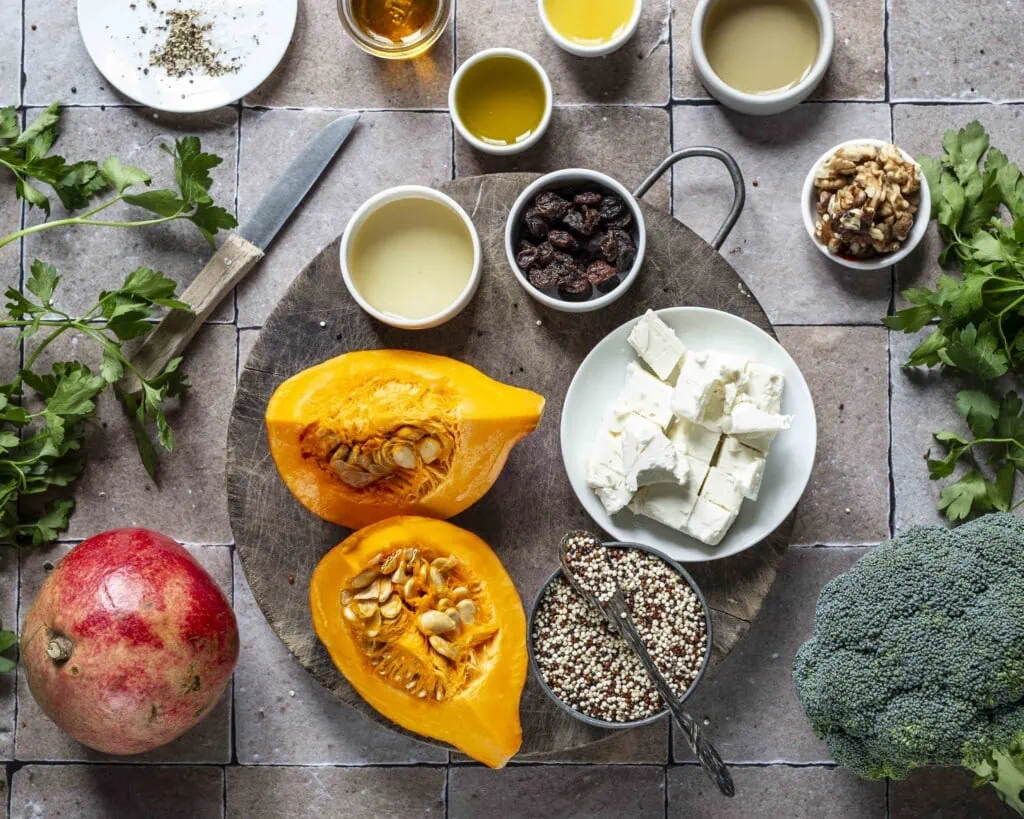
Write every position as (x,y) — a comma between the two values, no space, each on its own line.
(562,179)
(598,49)
(391,195)
(762,104)
(486,147)
(917,232)
(596,385)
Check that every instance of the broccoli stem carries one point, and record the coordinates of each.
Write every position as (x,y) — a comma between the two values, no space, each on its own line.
(1004,771)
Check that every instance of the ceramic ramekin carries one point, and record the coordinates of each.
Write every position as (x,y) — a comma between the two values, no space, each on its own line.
(600,723)
(921,218)
(563,179)
(599,49)
(486,147)
(392,195)
(762,104)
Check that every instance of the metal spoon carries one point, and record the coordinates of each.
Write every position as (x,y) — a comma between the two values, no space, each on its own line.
(616,611)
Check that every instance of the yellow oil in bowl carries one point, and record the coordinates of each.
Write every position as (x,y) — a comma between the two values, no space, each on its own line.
(501,100)
(589,22)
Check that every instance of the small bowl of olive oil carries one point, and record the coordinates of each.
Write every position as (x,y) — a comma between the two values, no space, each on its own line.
(500,100)
(590,28)
(761,56)
(394,29)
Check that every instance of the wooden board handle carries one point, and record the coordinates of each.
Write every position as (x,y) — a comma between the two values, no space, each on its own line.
(233,259)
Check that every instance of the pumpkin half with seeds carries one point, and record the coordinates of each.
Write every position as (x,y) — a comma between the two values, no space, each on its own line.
(425,623)
(377,433)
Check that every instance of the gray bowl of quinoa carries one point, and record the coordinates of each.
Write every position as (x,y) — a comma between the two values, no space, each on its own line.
(594,676)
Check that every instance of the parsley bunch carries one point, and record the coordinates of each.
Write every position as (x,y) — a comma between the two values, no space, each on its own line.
(42,427)
(978,201)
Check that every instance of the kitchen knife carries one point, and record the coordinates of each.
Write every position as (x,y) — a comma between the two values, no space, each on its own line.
(240,251)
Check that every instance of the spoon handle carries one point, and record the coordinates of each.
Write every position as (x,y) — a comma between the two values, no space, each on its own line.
(708,757)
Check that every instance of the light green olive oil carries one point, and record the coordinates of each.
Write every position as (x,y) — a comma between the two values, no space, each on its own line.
(501,100)
(761,46)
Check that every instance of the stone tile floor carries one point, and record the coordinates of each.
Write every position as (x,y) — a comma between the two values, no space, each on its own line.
(279,745)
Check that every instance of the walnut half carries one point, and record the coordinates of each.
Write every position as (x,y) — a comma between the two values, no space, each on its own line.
(866,200)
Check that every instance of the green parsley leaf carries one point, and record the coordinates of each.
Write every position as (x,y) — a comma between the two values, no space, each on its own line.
(967,496)
(121,177)
(980,409)
(192,169)
(163,202)
(43,281)
(975,353)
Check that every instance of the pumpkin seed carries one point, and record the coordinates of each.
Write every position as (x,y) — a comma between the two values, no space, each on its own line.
(366,608)
(408,433)
(390,563)
(404,456)
(350,615)
(429,449)
(346,597)
(409,588)
(444,648)
(384,589)
(392,608)
(436,579)
(370,592)
(453,614)
(444,603)
(459,592)
(410,555)
(435,622)
(373,625)
(363,579)
(399,577)
(467,611)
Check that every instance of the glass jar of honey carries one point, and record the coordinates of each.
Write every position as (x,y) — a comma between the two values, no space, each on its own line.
(394,29)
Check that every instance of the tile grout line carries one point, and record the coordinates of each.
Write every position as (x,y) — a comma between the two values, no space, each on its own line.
(893,285)
(238,185)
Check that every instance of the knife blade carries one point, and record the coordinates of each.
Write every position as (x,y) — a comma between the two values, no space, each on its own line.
(292,186)
(239,252)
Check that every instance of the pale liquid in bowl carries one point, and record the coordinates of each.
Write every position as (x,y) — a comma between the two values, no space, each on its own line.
(412,258)
(761,46)
(589,22)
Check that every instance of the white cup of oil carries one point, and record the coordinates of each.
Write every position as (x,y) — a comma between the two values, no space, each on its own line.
(410,257)
(590,28)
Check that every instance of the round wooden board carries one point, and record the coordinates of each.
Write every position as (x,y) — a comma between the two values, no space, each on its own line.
(510,337)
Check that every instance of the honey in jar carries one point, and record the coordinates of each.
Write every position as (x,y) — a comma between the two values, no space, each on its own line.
(394,22)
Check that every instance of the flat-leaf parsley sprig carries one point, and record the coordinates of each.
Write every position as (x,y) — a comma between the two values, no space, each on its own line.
(978,202)
(44,414)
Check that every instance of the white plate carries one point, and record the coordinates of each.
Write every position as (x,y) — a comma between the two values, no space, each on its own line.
(596,385)
(119,40)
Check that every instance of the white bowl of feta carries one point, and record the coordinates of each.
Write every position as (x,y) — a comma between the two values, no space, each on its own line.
(715,425)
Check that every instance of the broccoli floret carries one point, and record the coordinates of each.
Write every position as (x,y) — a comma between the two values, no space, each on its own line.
(917,657)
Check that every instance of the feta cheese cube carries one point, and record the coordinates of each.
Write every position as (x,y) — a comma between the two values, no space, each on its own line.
(606,472)
(747,419)
(646,396)
(648,455)
(656,344)
(761,386)
(698,470)
(694,440)
(746,465)
(762,442)
(666,503)
(718,407)
(722,490)
(700,392)
(709,522)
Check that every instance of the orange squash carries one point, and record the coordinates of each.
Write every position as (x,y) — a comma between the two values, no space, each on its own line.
(372,434)
(425,623)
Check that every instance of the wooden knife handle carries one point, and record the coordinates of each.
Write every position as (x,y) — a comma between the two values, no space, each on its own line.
(233,259)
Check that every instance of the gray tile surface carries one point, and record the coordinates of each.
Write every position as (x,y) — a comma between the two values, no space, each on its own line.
(273,694)
(297,793)
(8,619)
(108,791)
(92,259)
(377,156)
(847,371)
(589,137)
(10,222)
(10,55)
(324,69)
(748,704)
(589,791)
(919,129)
(187,501)
(941,53)
(769,247)
(647,745)
(57,66)
(38,739)
(637,73)
(769,793)
(944,794)
(857,71)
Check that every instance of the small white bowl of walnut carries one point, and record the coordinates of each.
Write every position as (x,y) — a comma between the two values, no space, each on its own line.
(866,204)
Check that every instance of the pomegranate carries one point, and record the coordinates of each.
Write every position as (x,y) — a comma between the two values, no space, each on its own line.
(129,643)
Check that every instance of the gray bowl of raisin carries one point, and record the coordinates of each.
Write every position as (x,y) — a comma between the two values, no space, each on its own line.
(575,240)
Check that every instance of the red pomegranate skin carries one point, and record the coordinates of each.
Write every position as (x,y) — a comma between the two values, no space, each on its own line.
(129,643)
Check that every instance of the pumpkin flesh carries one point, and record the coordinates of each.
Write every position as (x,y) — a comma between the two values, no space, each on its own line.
(423,621)
(377,433)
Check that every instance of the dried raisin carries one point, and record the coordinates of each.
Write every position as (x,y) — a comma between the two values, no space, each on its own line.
(611,207)
(550,205)
(575,290)
(574,221)
(590,198)
(626,248)
(599,272)
(563,240)
(535,223)
(543,278)
(527,255)
(545,253)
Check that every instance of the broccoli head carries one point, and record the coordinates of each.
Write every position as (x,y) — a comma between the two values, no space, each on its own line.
(917,656)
